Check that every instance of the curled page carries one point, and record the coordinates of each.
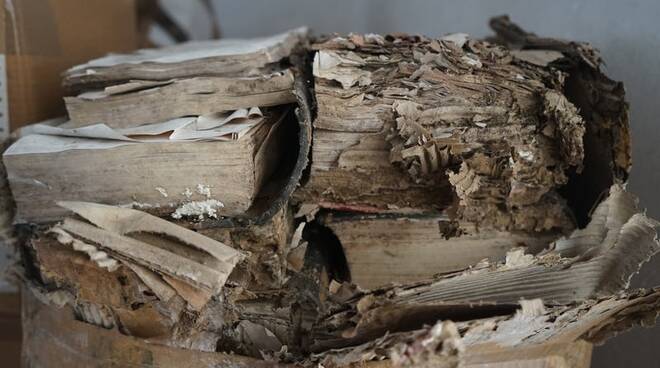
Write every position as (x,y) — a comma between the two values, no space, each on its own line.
(225,125)
(178,255)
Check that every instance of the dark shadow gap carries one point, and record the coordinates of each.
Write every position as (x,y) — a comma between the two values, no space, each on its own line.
(324,248)
(584,190)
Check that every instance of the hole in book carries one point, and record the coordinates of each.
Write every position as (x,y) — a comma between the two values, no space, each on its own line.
(289,146)
(284,163)
(325,248)
(585,190)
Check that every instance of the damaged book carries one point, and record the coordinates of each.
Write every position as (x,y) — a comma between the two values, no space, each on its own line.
(354,200)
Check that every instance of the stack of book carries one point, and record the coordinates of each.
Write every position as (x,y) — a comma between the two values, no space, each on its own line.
(462,203)
(188,130)
(135,197)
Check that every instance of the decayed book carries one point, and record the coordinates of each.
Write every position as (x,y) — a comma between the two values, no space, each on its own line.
(382,249)
(595,261)
(409,126)
(165,256)
(307,310)
(409,122)
(183,178)
(122,268)
(195,96)
(268,246)
(195,78)
(224,57)
(527,335)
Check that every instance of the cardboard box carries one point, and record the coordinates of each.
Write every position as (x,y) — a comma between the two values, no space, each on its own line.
(42,38)
(10,329)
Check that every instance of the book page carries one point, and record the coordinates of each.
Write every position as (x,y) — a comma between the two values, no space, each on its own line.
(194,50)
(225,125)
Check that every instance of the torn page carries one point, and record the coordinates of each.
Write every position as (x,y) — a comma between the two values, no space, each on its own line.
(227,125)
(101,258)
(476,339)
(155,282)
(42,143)
(125,233)
(125,221)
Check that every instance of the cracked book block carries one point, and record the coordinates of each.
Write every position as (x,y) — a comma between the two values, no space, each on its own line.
(521,134)
(383,249)
(194,180)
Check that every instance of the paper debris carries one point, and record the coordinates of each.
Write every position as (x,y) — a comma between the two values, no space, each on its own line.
(517,258)
(199,209)
(204,190)
(162,191)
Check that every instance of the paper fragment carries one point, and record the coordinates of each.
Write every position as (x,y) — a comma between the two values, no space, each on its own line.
(101,258)
(117,231)
(225,126)
(161,289)
(198,209)
(196,297)
(124,221)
